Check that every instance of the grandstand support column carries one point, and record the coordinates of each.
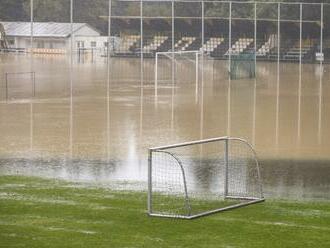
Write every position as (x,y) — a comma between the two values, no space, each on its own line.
(229,46)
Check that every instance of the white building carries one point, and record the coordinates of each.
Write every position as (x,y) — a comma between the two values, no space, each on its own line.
(51,37)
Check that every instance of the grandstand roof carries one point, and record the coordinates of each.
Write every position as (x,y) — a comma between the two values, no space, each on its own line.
(43,29)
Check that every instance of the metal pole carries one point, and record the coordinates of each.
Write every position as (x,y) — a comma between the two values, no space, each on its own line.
(255,39)
(321,34)
(300,34)
(173,30)
(71,81)
(229,58)
(108,79)
(278,74)
(33,84)
(203,29)
(156,76)
(300,71)
(71,31)
(150,182)
(226,167)
(278,33)
(197,76)
(141,43)
(31,27)
(109,28)
(6,78)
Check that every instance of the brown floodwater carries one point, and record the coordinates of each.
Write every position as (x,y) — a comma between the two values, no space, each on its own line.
(101,130)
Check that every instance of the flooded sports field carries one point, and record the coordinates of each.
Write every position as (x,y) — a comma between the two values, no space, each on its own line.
(96,122)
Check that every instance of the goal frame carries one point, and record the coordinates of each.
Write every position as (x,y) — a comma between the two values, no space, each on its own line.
(33,83)
(226,139)
(170,56)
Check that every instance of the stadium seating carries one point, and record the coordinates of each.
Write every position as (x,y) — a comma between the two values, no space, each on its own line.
(184,43)
(157,41)
(127,43)
(240,45)
(212,44)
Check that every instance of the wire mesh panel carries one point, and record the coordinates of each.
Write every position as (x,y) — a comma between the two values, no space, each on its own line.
(20,85)
(242,66)
(193,179)
(172,68)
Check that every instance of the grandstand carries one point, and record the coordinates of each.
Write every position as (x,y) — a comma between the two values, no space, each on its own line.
(215,47)
(284,32)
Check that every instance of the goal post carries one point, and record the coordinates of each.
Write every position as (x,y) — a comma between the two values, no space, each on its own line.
(194,179)
(177,67)
(242,65)
(20,85)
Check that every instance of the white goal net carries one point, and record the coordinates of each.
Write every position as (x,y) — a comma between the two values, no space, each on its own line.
(177,68)
(194,179)
(19,85)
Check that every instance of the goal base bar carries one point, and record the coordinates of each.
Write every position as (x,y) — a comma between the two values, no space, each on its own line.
(253,201)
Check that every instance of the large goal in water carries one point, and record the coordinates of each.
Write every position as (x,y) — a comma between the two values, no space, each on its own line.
(194,179)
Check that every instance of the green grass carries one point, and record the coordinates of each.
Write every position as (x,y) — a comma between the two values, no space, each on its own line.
(50,213)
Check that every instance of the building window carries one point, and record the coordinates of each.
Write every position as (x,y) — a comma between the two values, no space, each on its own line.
(93,44)
(80,44)
(105,44)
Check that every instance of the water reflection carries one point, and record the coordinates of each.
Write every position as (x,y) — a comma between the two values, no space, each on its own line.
(101,130)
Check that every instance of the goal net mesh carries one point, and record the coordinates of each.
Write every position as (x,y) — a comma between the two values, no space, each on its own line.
(19,86)
(195,179)
(242,66)
(177,68)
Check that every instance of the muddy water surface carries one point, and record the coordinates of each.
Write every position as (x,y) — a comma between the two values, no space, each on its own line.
(102,133)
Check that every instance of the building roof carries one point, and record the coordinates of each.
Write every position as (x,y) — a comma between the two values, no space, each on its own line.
(43,29)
